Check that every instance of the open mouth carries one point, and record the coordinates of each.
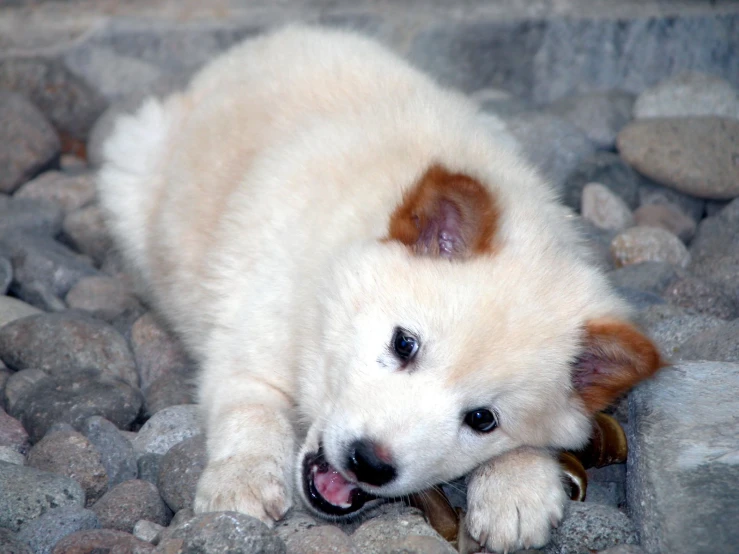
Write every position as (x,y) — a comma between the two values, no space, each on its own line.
(328,492)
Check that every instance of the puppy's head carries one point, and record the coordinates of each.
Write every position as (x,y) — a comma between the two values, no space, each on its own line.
(472,330)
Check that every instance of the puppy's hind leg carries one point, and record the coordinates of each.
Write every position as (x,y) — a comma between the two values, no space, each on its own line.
(250,451)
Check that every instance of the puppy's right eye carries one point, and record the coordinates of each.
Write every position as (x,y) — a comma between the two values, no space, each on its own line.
(405,345)
(481,420)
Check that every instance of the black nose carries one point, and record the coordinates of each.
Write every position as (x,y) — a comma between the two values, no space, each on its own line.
(363,460)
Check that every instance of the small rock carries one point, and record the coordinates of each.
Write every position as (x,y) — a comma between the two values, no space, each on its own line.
(648,244)
(157,352)
(418,544)
(6,275)
(179,472)
(695,155)
(296,521)
(375,535)
(683,475)
(667,216)
(651,277)
(650,193)
(102,297)
(216,532)
(26,493)
(85,231)
(600,115)
(639,299)
(169,390)
(166,428)
(20,383)
(671,326)
(608,169)
(10,455)
(70,397)
(69,192)
(604,209)
(715,249)
(703,297)
(30,217)
(12,434)
(609,494)
(587,527)
(148,467)
(57,342)
(43,264)
(323,539)
(688,93)
(718,344)
(70,453)
(70,104)
(9,543)
(553,145)
(29,141)
(116,452)
(125,504)
(147,531)
(43,533)
(102,541)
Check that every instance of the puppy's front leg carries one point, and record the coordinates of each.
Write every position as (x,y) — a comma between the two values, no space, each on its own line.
(250,453)
(515,499)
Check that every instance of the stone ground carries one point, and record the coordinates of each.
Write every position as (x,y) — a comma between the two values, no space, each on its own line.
(629,108)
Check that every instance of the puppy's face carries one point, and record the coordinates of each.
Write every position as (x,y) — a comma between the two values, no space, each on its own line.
(437,358)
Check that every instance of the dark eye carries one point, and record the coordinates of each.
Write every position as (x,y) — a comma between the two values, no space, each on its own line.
(481,420)
(405,345)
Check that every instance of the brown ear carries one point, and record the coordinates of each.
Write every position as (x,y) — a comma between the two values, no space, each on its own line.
(446,214)
(615,357)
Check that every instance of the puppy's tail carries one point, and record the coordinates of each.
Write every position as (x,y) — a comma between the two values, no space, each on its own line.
(130,179)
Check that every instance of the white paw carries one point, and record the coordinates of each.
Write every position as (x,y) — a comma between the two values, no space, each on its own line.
(509,511)
(254,486)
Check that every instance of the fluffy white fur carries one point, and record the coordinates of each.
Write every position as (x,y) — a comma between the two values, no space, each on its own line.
(254,205)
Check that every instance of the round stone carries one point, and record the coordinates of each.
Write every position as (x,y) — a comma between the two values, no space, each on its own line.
(101,296)
(695,155)
(102,541)
(395,522)
(688,93)
(167,428)
(592,527)
(29,141)
(72,397)
(68,191)
(703,297)
(179,472)
(116,451)
(70,453)
(667,216)
(12,434)
(604,209)
(33,217)
(169,390)
(648,244)
(85,230)
(125,504)
(718,344)
(56,342)
(322,540)
(43,533)
(26,493)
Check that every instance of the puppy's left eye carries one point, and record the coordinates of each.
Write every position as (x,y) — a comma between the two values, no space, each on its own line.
(405,345)
(481,420)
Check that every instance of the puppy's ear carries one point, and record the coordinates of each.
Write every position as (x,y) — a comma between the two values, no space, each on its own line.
(615,357)
(446,214)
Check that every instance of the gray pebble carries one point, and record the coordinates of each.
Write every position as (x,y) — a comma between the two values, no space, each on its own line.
(148,531)
(102,541)
(639,299)
(68,191)
(34,217)
(85,231)
(26,493)
(70,453)
(648,244)
(651,277)
(180,470)
(29,141)
(718,344)
(650,192)
(125,504)
(116,452)
(169,390)
(12,456)
(671,326)
(587,527)
(604,208)
(18,384)
(322,539)
(9,543)
(12,434)
(376,535)
(668,216)
(43,533)
(703,297)
(609,170)
(217,532)
(56,342)
(102,297)
(167,428)
(418,544)
(72,397)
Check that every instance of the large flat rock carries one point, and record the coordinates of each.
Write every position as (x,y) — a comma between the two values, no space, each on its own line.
(683,468)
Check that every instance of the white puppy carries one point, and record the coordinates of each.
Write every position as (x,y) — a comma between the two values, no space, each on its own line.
(380,296)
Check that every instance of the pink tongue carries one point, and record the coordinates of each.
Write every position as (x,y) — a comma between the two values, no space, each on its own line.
(333,487)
